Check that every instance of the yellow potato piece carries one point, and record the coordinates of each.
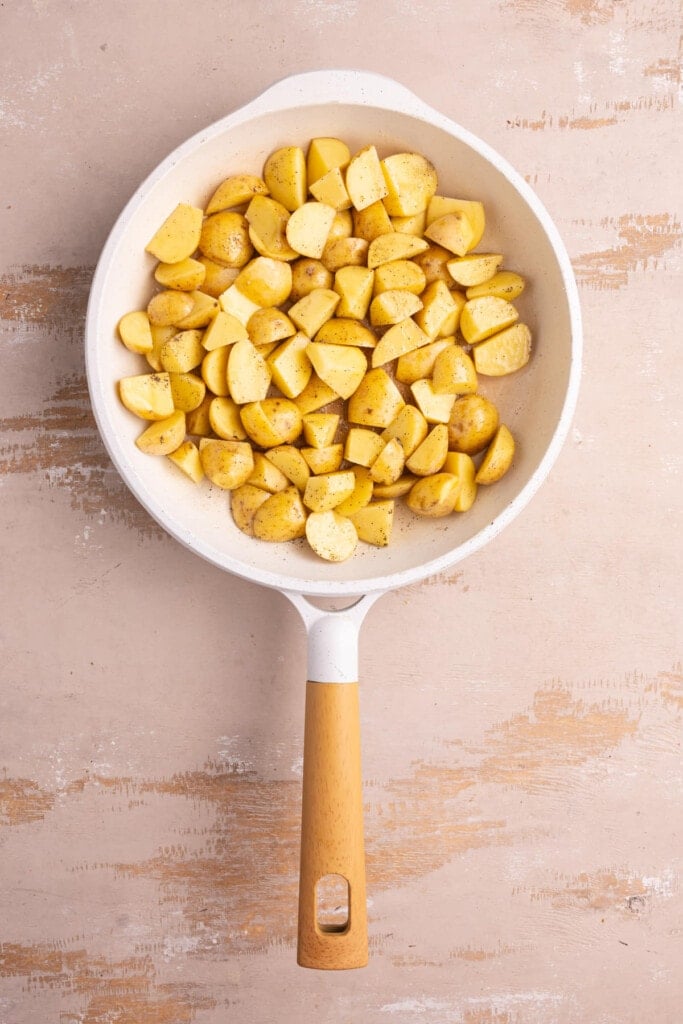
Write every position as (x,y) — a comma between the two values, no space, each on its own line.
(164,436)
(451,323)
(372,222)
(410,428)
(472,424)
(475,268)
(436,408)
(267,220)
(376,401)
(216,277)
(248,373)
(235,191)
(411,182)
(438,305)
(160,335)
(214,370)
(227,464)
(284,173)
(388,466)
(354,285)
(419,363)
(325,154)
(291,462)
(308,227)
(204,309)
(403,337)
(342,225)
(342,367)
(136,333)
(245,501)
(168,308)
(315,309)
(330,189)
(272,422)
(268,326)
(182,352)
(454,372)
(178,236)
(361,494)
(482,317)
(505,352)
(462,467)
(364,178)
(225,239)
(344,252)
(186,458)
(504,285)
(290,366)
(331,536)
(148,395)
(186,276)
(315,395)
(430,455)
(397,490)
(439,206)
(434,496)
(414,225)
(281,518)
(403,274)
(433,262)
(265,281)
(188,391)
(346,331)
(392,307)
(394,246)
(224,329)
(327,490)
(320,428)
(453,232)
(324,460)
(236,304)
(224,418)
(267,476)
(362,446)
(498,457)
(374,522)
(197,420)
(307,275)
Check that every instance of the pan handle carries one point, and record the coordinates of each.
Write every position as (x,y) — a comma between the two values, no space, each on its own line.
(332,845)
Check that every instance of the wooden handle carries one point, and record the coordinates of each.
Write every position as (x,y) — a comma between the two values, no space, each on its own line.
(332,827)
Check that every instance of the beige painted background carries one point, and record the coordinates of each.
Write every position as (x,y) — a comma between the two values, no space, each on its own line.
(521,716)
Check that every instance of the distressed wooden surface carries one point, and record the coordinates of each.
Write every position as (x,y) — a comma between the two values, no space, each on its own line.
(521,716)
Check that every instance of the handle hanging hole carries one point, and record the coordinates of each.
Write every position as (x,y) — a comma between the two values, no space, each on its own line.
(332,904)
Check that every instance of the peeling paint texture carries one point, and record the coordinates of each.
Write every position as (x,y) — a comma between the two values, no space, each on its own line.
(521,716)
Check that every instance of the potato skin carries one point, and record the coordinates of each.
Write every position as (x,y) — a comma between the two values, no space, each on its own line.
(473,422)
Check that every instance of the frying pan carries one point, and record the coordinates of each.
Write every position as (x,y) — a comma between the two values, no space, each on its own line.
(537,404)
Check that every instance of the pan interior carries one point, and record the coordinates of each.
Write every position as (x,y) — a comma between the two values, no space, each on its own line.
(531,402)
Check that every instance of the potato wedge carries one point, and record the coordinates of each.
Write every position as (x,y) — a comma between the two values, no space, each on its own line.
(433,262)
(388,466)
(227,464)
(147,395)
(411,182)
(462,467)
(504,352)
(249,375)
(354,285)
(216,277)
(204,309)
(245,501)
(344,252)
(402,274)
(135,332)
(214,370)
(307,276)
(372,222)
(362,446)
(311,312)
(308,227)
(186,276)
(454,372)
(236,304)
(361,494)
(419,363)
(265,281)
(342,226)
(498,457)
(331,536)
(182,352)
(394,246)
(393,307)
(374,522)
(376,401)
(282,517)
(224,417)
(168,308)
(268,326)
(325,154)
(188,391)
(267,220)
(225,239)
(364,178)
(320,428)
(430,455)
(224,329)
(331,190)
(398,490)
(414,225)
(315,395)
(163,436)
(267,476)
(324,460)
(504,285)
(435,407)
(434,496)
(197,420)
(410,428)
(186,458)
(160,335)
(178,236)
(439,206)
(482,317)
(403,337)
(291,462)
(327,490)
(453,232)
(475,268)
(472,424)
(271,422)
(438,305)
(284,173)
(342,367)
(345,331)
(290,366)
(236,191)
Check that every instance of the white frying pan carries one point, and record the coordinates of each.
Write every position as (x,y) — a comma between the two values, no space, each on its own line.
(537,404)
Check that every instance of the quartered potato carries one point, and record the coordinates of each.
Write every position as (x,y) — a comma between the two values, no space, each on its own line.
(318,337)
